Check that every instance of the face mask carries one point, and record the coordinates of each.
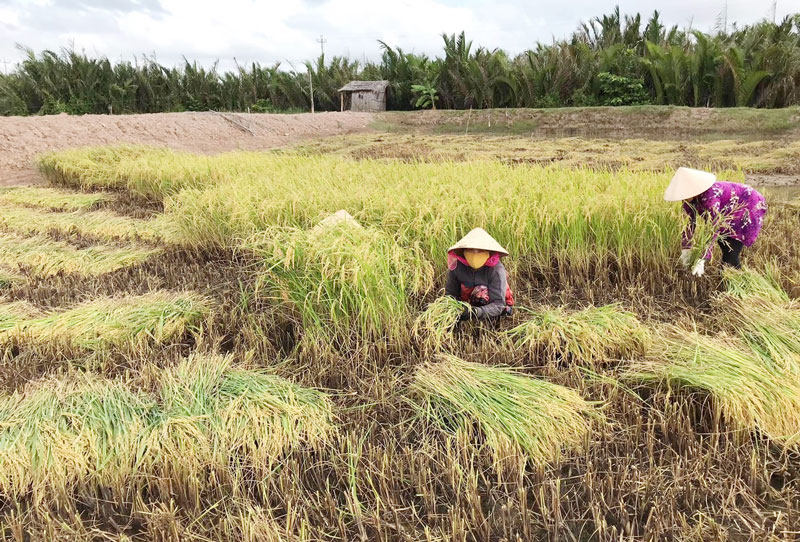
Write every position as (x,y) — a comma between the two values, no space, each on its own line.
(476,258)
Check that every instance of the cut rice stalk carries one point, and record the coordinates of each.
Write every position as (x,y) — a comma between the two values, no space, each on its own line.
(213,411)
(46,257)
(12,313)
(102,224)
(129,323)
(516,414)
(588,336)
(53,198)
(58,434)
(436,323)
(750,393)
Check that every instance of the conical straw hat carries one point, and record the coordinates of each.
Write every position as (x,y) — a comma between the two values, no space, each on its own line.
(480,240)
(339,217)
(688,183)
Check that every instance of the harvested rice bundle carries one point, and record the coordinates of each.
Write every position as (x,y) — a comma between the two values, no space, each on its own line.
(750,393)
(127,323)
(589,336)
(746,283)
(221,416)
(514,413)
(53,198)
(343,279)
(437,321)
(762,314)
(46,257)
(103,224)
(58,434)
(12,313)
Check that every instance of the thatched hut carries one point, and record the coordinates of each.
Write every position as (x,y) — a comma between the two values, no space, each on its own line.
(363,96)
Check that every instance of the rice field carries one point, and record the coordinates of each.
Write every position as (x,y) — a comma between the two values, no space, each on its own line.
(255,346)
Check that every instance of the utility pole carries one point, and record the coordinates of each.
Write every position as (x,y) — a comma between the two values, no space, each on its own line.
(5,66)
(322,41)
(725,18)
(311,86)
(774,10)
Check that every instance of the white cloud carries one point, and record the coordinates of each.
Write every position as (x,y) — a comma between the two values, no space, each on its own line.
(266,31)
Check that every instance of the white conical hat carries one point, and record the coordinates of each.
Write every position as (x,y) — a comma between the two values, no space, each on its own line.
(688,183)
(479,240)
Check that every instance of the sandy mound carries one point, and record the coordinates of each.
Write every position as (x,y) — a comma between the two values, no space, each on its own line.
(23,138)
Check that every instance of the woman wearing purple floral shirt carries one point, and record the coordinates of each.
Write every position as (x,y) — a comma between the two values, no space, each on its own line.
(736,211)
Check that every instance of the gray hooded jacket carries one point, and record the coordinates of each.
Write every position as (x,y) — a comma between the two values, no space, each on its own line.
(493,278)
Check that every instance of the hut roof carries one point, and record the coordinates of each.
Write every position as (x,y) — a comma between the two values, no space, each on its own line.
(374,86)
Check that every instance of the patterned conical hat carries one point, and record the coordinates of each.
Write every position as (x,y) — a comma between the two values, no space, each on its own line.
(688,183)
(480,240)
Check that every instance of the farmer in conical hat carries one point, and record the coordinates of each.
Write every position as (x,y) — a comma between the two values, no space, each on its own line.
(736,211)
(477,276)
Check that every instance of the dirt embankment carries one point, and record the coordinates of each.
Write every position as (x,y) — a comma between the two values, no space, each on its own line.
(23,138)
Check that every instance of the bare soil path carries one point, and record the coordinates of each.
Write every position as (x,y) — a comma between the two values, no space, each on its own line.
(24,138)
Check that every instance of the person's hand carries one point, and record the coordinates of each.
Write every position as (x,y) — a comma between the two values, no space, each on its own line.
(686,257)
(467,314)
(699,268)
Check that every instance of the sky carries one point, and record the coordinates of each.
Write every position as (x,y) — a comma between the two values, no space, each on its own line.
(288,31)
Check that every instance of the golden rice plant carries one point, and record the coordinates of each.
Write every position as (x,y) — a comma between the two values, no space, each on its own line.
(751,393)
(342,279)
(588,336)
(220,200)
(149,172)
(437,321)
(53,199)
(515,414)
(124,322)
(45,257)
(57,434)
(215,415)
(103,224)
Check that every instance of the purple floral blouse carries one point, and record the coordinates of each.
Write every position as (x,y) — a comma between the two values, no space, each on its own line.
(741,205)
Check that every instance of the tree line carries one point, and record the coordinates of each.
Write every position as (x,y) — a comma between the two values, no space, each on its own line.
(610,60)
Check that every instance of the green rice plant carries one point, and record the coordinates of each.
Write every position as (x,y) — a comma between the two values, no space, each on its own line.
(342,279)
(515,414)
(59,434)
(437,321)
(105,225)
(588,336)
(11,313)
(129,323)
(217,416)
(46,257)
(53,199)
(751,394)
